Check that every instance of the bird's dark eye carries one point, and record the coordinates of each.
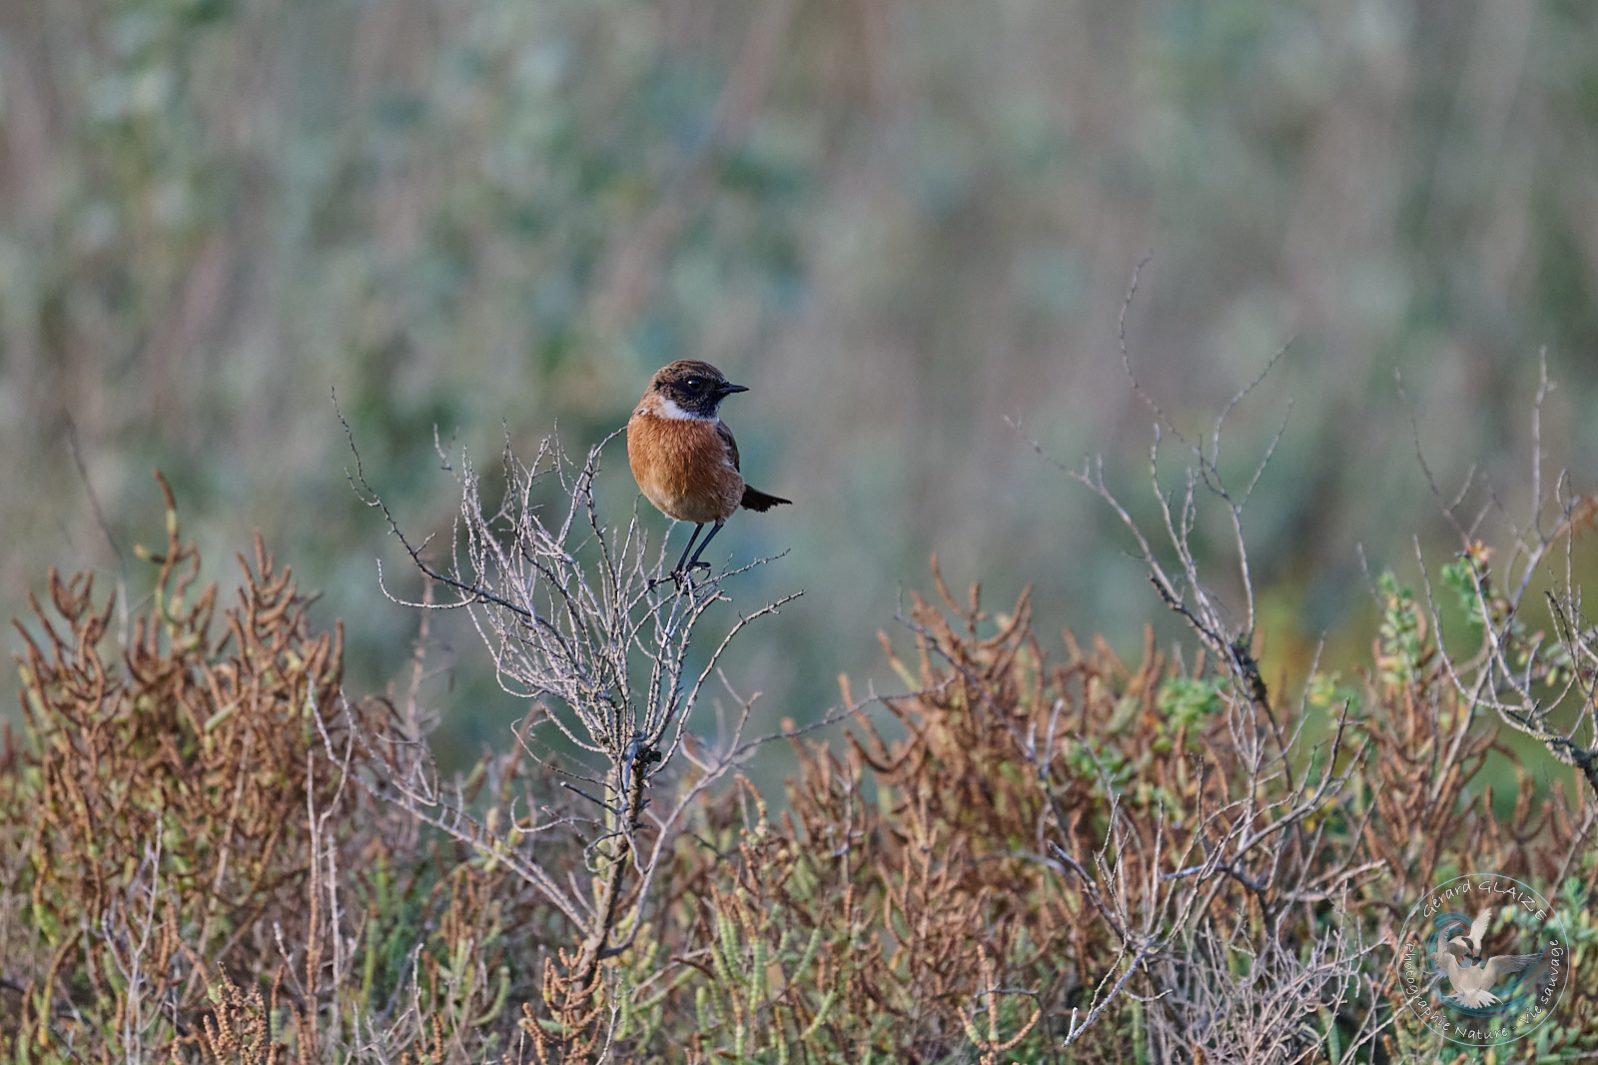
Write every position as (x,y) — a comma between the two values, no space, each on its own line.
(692,384)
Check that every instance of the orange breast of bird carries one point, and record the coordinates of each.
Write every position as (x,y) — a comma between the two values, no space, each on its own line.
(683,467)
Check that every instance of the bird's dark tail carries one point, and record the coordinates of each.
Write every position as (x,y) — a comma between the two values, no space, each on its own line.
(754,499)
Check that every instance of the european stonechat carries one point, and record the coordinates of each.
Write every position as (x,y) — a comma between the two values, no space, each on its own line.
(684,457)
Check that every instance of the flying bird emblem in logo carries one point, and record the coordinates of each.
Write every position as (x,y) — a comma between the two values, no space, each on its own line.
(1472,977)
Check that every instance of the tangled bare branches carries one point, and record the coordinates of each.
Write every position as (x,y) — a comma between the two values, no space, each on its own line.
(1251,870)
(1540,685)
(1266,1005)
(1185,890)
(576,619)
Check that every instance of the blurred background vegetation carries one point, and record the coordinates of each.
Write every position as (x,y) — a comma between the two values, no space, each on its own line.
(899,221)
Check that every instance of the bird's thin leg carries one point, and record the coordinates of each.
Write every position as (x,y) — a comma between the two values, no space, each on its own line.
(689,546)
(695,563)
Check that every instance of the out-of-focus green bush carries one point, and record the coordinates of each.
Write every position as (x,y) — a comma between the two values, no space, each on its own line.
(898,222)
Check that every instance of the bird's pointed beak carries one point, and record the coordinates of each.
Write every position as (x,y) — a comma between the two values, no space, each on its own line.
(727,388)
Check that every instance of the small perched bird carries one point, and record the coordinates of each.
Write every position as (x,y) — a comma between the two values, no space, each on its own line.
(684,457)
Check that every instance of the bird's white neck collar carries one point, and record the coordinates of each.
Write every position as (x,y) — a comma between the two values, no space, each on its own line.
(668,408)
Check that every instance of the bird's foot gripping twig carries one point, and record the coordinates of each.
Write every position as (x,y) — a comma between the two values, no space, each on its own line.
(682,578)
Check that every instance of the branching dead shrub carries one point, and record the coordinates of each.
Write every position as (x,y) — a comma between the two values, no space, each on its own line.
(577,619)
(1359,825)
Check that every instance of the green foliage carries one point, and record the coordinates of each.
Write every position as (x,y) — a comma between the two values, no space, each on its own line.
(1107,763)
(1327,691)
(1401,636)
(1187,703)
(1460,577)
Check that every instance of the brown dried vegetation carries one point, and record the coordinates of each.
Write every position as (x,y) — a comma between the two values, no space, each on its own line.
(1040,854)
(157,817)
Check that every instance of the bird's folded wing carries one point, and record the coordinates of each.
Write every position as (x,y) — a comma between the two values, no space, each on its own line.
(726,438)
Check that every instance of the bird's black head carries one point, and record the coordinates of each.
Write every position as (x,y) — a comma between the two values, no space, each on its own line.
(697,388)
